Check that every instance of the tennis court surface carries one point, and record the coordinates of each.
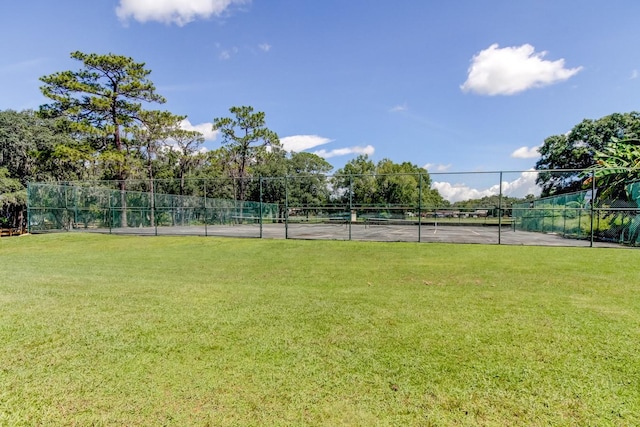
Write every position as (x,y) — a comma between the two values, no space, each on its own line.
(433,233)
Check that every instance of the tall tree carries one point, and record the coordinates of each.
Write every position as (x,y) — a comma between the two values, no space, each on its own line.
(214,168)
(406,184)
(186,145)
(100,100)
(356,181)
(308,184)
(297,177)
(577,150)
(34,149)
(271,164)
(13,198)
(386,183)
(398,183)
(150,136)
(244,137)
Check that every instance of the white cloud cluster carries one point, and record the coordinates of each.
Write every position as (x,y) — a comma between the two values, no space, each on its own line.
(179,12)
(459,192)
(520,187)
(432,167)
(206,129)
(511,70)
(526,153)
(368,150)
(299,143)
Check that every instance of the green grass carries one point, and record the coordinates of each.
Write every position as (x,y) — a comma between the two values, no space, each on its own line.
(111,330)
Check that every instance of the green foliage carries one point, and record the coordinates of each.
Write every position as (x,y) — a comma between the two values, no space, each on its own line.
(307,181)
(492,203)
(356,181)
(99,100)
(617,165)
(35,149)
(364,183)
(103,95)
(13,199)
(296,179)
(577,150)
(245,138)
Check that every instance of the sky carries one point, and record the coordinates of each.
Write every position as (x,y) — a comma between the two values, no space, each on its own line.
(452,86)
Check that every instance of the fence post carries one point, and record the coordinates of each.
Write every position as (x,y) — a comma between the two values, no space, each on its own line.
(204,201)
(28,207)
(75,206)
(564,217)
(420,208)
(553,215)
(593,202)
(350,203)
(500,212)
(110,213)
(286,208)
(154,213)
(260,208)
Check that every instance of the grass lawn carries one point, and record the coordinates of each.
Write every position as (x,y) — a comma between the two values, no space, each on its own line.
(113,330)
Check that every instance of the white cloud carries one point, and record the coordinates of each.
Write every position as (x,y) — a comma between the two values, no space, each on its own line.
(265,47)
(510,70)
(634,74)
(206,129)
(226,53)
(526,153)
(299,143)
(368,150)
(432,167)
(179,12)
(520,187)
(458,192)
(399,108)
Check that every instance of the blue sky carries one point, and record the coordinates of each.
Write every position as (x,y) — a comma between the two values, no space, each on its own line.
(462,85)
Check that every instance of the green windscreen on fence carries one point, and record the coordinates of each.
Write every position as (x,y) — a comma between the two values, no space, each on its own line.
(574,215)
(567,214)
(64,207)
(633,229)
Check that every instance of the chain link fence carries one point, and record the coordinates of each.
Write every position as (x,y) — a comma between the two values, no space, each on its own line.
(98,206)
(580,215)
(489,208)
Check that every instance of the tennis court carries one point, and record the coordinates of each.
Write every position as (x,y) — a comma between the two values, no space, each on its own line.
(427,233)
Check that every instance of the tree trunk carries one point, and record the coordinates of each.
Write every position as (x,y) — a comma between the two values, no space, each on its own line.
(152,200)
(122,183)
